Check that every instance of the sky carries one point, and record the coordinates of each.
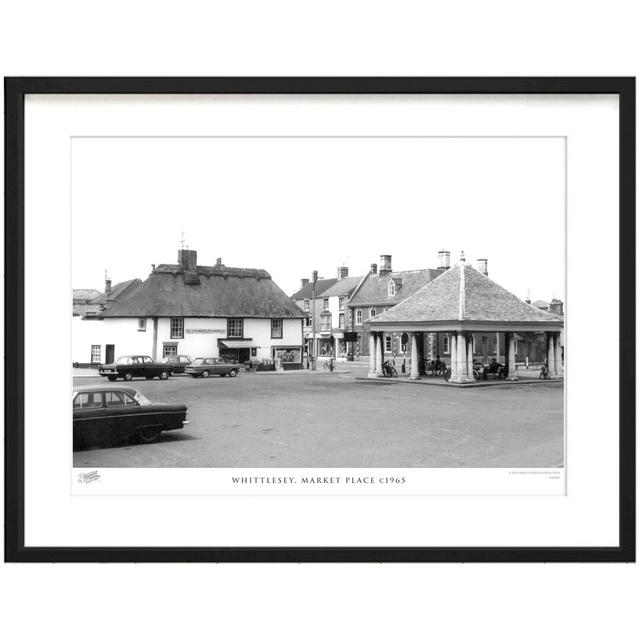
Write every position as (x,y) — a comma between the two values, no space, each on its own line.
(292,205)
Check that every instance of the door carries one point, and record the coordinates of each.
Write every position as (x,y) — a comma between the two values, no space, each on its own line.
(88,418)
(109,353)
(122,414)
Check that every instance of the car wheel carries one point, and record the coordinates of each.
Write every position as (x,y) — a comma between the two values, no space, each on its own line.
(128,377)
(147,435)
(112,378)
(233,373)
(164,375)
(205,374)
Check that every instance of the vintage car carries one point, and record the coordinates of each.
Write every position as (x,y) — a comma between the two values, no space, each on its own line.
(128,367)
(114,414)
(178,363)
(205,367)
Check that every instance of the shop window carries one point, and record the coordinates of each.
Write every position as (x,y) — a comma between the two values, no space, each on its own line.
(276,327)
(235,328)
(95,354)
(341,321)
(445,344)
(359,316)
(177,328)
(142,324)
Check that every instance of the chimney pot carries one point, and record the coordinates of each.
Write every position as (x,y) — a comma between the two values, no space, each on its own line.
(374,268)
(343,272)
(304,282)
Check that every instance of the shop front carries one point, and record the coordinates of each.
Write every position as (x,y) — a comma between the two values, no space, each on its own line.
(289,356)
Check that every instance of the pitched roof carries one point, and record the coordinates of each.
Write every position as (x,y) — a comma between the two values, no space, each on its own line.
(307,291)
(84,295)
(217,291)
(375,288)
(117,291)
(343,287)
(464,294)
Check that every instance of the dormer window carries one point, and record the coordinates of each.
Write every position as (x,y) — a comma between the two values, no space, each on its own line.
(392,288)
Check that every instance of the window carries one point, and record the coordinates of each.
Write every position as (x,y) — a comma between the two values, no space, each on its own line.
(177,328)
(392,288)
(306,305)
(88,401)
(358,316)
(118,399)
(235,328)
(95,353)
(326,303)
(372,313)
(276,327)
(387,343)
(307,321)
(142,324)
(169,350)
(445,344)
(341,302)
(341,321)
(325,323)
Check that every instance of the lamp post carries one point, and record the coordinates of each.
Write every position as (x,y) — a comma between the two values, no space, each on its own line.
(314,279)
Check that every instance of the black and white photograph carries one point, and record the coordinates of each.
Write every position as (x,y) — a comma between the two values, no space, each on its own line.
(318,302)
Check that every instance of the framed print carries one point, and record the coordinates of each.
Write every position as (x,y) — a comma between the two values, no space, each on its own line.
(320,319)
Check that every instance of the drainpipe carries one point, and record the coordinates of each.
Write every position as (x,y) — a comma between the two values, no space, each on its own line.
(154,346)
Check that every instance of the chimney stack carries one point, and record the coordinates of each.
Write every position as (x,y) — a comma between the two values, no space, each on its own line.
(343,272)
(556,306)
(444,260)
(374,268)
(188,259)
(385,265)
(482,266)
(107,283)
(304,282)
(219,262)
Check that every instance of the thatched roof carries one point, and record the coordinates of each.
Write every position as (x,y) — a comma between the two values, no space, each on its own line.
(216,291)
(375,288)
(463,294)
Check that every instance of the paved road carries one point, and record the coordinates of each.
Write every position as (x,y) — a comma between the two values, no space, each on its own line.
(307,419)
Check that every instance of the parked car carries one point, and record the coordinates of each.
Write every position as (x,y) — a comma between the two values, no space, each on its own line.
(205,367)
(113,414)
(178,363)
(128,367)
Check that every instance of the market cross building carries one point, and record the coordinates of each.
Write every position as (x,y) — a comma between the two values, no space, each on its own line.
(462,304)
(189,309)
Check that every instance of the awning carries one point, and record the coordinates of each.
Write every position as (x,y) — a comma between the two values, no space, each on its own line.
(238,344)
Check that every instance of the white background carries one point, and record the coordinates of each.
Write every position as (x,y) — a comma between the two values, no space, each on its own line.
(489,38)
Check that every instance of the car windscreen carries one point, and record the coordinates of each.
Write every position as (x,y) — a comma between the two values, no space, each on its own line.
(140,399)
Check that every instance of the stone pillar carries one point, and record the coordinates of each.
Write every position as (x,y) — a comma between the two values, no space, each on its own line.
(551,355)
(558,353)
(337,347)
(372,355)
(415,372)
(511,357)
(379,354)
(461,374)
(470,355)
(453,350)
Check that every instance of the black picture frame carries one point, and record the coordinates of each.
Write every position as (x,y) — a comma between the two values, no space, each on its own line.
(15,91)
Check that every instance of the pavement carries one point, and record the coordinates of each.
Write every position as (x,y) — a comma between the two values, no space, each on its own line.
(328,419)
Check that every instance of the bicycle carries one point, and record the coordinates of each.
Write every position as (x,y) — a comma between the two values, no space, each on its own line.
(328,364)
(389,370)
